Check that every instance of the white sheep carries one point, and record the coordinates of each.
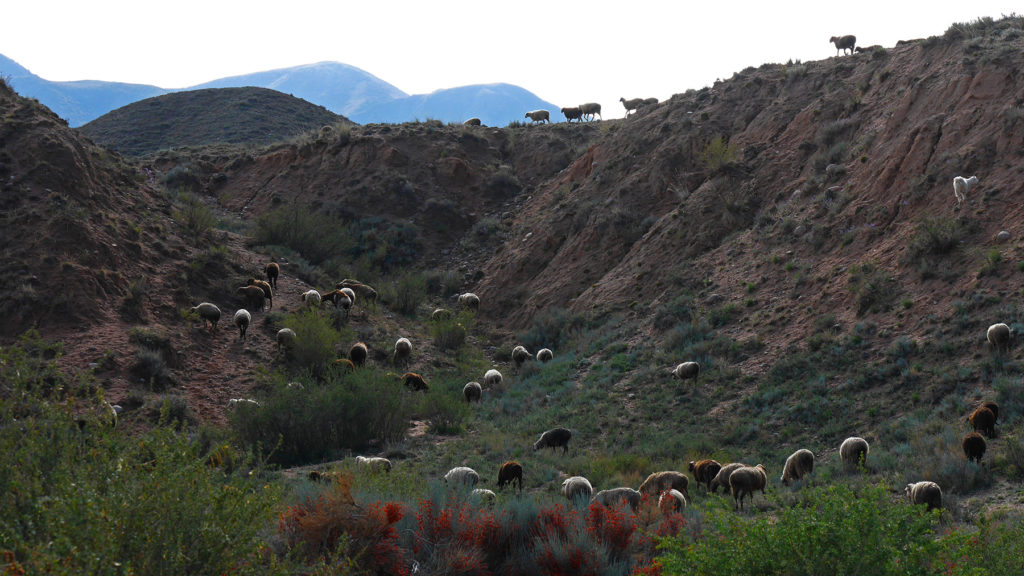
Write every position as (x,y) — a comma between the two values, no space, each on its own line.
(285,338)
(208,312)
(545,355)
(577,489)
(350,293)
(671,501)
(854,451)
(798,465)
(615,496)
(632,104)
(374,463)
(311,298)
(747,480)
(469,301)
(539,116)
(472,391)
(686,371)
(844,43)
(487,497)
(492,378)
(462,476)
(998,336)
(520,355)
(242,320)
(590,109)
(440,314)
(961,186)
(724,473)
(925,492)
(236,402)
(403,349)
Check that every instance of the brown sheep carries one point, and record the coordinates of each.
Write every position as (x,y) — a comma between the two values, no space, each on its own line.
(974,446)
(358,354)
(844,43)
(272,271)
(798,465)
(722,478)
(658,482)
(554,438)
(268,290)
(926,492)
(983,420)
(704,471)
(345,364)
(993,407)
(590,109)
(510,473)
(414,382)
(747,480)
(472,391)
(252,297)
(573,113)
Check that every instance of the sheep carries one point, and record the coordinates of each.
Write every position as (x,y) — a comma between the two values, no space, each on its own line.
(573,113)
(350,293)
(345,364)
(403,349)
(747,480)
(925,492)
(554,438)
(650,102)
(364,291)
(520,355)
(358,353)
(544,355)
(510,473)
(462,476)
(631,104)
(993,407)
(854,452)
(844,43)
(268,290)
(312,298)
(337,297)
(538,116)
(590,109)
(798,465)
(658,482)
(487,497)
(615,496)
(472,392)
(209,313)
(961,186)
(577,489)
(374,463)
(440,314)
(984,421)
(722,478)
(285,339)
(492,378)
(469,301)
(242,320)
(252,297)
(704,471)
(272,271)
(472,122)
(414,382)
(236,402)
(998,336)
(974,446)
(686,371)
(672,501)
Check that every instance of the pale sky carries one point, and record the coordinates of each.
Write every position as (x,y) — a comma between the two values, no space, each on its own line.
(566,52)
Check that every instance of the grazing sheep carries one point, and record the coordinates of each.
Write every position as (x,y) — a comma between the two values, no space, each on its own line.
(590,109)
(312,298)
(236,402)
(414,382)
(577,489)
(469,301)
(686,371)
(798,465)
(704,471)
(658,482)
(722,478)
(520,355)
(358,353)
(487,497)
(472,122)
(631,104)
(538,116)
(615,496)
(983,420)
(345,364)
(440,314)
(272,271)
(364,291)
(747,480)
(374,463)
(472,391)
(252,297)
(544,355)
(208,312)
(554,438)
(268,290)
(350,293)
(510,473)
(961,186)
(462,476)
(242,320)
(403,350)
(337,297)
(671,501)
(998,336)
(993,407)
(573,113)
(974,446)
(854,452)
(925,492)
(844,43)
(492,378)
(286,339)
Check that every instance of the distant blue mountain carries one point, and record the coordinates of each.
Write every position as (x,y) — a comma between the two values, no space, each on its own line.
(342,89)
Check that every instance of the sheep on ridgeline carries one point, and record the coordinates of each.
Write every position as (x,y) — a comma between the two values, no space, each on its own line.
(520,355)
(440,314)
(650,102)
(998,336)
(473,122)
(272,271)
(671,501)
(358,353)
(252,297)
(286,339)
(961,186)
(722,478)
(510,473)
(984,421)
(798,465)
(704,471)
(844,43)
(554,438)
(374,463)
(414,382)
(472,392)
(538,116)
(926,492)
(364,291)
(747,480)
(242,320)
(617,496)
(209,313)
(686,371)
(854,452)
(544,355)
(577,489)
(974,446)
(469,301)
(492,378)
(572,113)
(590,109)
(462,476)
(268,290)
(337,297)
(632,104)
(487,497)
(403,350)
(658,482)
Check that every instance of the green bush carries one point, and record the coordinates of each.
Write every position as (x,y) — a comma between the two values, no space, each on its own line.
(450,333)
(406,292)
(316,341)
(717,156)
(194,216)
